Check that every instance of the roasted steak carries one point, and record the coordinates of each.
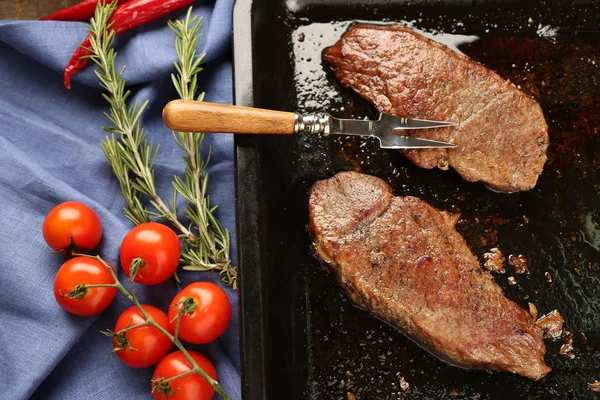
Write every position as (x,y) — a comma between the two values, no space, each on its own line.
(402,260)
(502,136)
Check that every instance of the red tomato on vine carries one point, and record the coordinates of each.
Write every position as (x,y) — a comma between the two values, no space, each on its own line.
(144,346)
(206,312)
(70,223)
(192,386)
(158,246)
(73,297)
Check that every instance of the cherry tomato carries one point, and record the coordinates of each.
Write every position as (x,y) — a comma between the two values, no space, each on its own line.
(79,271)
(158,246)
(209,318)
(150,344)
(192,386)
(72,221)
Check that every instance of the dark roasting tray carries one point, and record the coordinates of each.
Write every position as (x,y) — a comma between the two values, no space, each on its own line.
(301,339)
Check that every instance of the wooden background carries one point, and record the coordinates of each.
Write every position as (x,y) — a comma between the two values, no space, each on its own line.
(31,9)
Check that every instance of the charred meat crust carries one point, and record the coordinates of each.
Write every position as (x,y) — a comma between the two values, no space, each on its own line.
(502,136)
(403,261)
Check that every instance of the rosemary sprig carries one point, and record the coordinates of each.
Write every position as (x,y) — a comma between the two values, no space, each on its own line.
(210,250)
(131,156)
(126,150)
(123,119)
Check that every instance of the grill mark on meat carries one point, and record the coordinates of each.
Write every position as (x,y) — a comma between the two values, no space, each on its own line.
(427,282)
(501,134)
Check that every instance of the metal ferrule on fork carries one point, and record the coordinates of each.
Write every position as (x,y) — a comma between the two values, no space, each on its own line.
(312,123)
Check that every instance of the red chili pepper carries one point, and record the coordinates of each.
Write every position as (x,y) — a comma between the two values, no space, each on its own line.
(127,16)
(83,11)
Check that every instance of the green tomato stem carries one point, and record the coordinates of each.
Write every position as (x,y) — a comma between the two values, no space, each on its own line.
(136,265)
(93,285)
(177,324)
(146,323)
(164,381)
(80,290)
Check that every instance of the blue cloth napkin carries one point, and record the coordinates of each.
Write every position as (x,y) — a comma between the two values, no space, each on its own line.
(50,153)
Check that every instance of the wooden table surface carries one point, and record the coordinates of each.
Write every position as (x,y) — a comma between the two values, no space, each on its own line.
(31,9)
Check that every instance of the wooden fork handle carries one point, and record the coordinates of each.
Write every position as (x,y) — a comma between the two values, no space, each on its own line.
(200,116)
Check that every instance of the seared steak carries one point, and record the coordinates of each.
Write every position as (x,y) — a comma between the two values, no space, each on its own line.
(502,136)
(402,260)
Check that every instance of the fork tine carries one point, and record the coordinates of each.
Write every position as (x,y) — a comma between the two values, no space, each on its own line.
(413,123)
(400,123)
(411,142)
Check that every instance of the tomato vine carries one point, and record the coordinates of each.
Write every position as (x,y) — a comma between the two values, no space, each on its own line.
(159,384)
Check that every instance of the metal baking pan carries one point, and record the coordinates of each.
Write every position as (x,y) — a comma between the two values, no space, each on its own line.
(301,339)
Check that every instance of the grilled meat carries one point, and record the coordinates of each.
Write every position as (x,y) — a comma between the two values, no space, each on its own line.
(502,135)
(403,260)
